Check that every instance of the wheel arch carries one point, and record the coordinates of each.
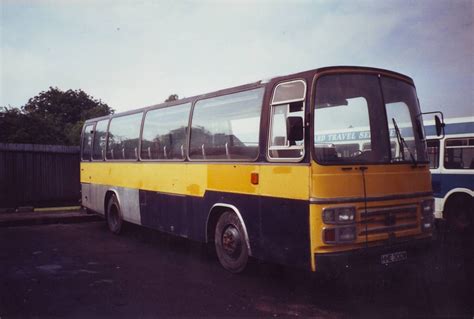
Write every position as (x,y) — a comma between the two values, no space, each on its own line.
(212,218)
(452,194)
(108,195)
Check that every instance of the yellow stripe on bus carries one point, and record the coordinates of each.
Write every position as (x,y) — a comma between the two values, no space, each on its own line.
(194,179)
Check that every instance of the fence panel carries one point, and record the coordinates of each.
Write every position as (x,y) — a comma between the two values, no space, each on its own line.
(38,175)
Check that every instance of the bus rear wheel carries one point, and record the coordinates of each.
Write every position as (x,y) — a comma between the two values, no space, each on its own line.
(114,215)
(460,211)
(231,247)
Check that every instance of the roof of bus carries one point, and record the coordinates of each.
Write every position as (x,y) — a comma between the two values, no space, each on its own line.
(261,83)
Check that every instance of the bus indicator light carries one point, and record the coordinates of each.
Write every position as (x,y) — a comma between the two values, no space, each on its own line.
(254,178)
(330,235)
(339,235)
(427,209)
(428,206)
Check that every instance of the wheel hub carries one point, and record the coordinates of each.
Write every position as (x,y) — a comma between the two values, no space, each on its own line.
(232,242)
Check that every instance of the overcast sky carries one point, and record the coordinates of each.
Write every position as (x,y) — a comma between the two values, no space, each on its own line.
(131,54)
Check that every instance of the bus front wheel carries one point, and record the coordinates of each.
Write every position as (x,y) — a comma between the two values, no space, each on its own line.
(114,215)
(231,247)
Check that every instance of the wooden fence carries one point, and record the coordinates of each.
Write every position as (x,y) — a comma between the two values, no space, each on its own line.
(39,175)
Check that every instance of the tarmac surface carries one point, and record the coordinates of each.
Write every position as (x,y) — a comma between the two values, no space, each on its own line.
(81,270)
(45,217)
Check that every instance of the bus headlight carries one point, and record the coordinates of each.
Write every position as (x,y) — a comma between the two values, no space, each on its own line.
(339,215)
(339,235)
(427,207)
(427,211)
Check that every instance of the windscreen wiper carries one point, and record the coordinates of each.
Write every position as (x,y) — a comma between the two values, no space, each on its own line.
(402,143)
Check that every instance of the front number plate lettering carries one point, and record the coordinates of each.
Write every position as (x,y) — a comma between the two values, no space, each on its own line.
(393,257)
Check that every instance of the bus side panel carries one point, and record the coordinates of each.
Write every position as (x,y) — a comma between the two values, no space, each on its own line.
(439,201)
(444,183)
(128,199)
(285,231)
(181,215)
(93,196)
(129,203)
(165,212)
(85,195)
(278,228)
(436,184)
(451,181)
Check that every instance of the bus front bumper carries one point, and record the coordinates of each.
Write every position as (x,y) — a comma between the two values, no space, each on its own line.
(384,256)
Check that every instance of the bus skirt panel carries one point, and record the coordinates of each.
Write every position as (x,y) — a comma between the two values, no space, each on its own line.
(278,228)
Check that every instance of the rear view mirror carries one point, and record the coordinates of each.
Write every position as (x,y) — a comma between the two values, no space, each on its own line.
(438,123)
(439,126)
(294,128)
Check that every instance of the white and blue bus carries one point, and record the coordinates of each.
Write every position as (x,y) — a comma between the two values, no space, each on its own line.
(452,169)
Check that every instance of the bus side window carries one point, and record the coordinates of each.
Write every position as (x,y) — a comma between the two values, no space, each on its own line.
(87,137)
(470,154)
(165,133)
(287,102)
(122,140)
(459,153)
(100,135)
(433,153)
(227,127)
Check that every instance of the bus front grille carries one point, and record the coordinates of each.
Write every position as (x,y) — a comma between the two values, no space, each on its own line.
(384,220)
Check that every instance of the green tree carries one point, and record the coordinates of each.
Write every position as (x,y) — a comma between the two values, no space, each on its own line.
(51,117)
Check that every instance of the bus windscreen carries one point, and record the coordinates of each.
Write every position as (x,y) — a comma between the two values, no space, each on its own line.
(354,116)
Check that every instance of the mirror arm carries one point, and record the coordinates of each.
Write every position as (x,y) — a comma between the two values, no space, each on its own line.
(442,124)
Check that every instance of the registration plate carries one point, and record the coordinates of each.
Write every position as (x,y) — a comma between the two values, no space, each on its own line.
(393,257)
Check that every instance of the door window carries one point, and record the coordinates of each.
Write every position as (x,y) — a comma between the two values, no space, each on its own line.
(287,104)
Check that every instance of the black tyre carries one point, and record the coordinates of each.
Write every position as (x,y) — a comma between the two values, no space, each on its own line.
(460,211)
(231,246)
(114,215)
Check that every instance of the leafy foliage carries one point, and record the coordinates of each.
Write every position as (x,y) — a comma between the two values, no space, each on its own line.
(51,117)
